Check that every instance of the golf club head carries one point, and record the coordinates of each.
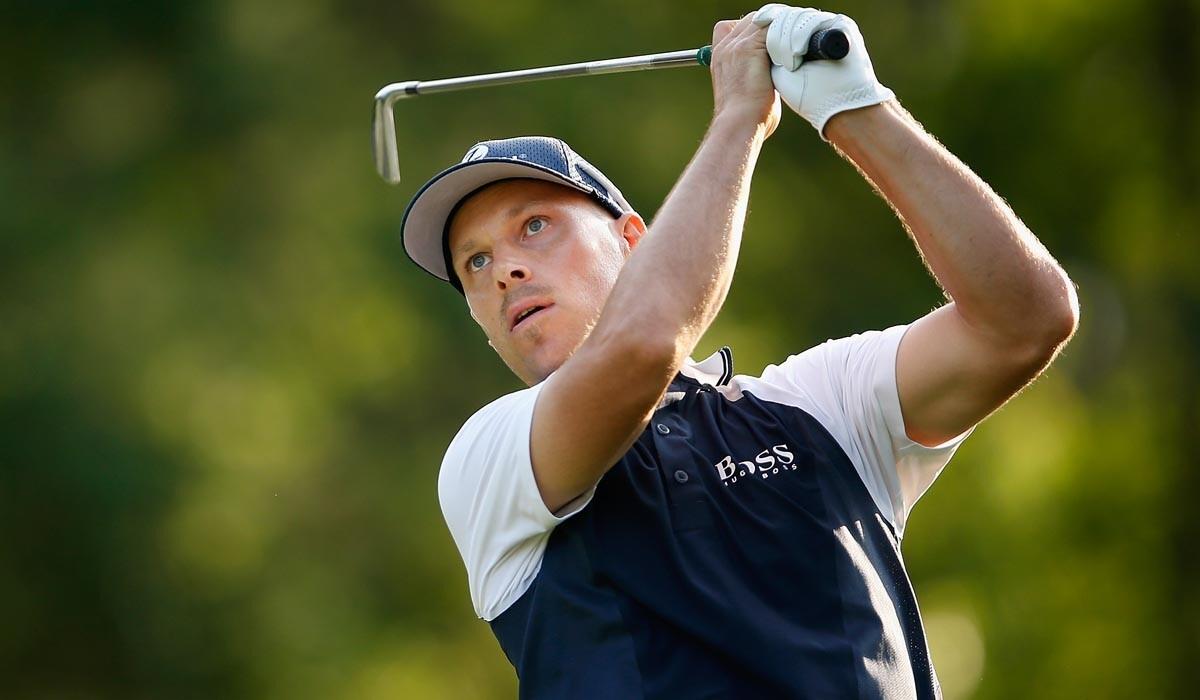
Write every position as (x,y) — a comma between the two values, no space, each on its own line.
(383,130)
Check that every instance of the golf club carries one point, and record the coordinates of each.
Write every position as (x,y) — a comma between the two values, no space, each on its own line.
(831,44)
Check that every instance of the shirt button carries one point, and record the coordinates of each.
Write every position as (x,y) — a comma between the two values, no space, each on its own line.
(681,476)
(662,429)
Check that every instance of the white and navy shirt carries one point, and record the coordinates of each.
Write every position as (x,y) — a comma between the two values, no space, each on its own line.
(747,545)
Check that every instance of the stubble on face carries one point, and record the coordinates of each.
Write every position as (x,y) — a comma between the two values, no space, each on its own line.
(538,366)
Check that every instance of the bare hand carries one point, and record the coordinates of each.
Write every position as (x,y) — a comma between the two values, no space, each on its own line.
(741,74)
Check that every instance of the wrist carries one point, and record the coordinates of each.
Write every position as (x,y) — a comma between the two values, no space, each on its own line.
(739,124)
(855,125)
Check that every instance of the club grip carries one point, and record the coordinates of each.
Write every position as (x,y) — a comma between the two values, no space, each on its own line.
(828,44)
(824,45)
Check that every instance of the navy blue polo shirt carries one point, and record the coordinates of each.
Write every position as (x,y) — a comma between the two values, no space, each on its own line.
(746,546)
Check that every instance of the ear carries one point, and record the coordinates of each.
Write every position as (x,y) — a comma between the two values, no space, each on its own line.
(631,228)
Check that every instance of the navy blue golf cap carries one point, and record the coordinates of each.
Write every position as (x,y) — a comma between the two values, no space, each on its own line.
(427,218)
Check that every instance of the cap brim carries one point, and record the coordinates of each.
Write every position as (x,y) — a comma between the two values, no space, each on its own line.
(424,220)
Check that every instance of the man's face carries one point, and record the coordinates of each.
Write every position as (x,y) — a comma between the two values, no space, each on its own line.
(523,245)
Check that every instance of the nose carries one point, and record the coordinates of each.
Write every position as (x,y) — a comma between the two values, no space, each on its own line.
(510,272)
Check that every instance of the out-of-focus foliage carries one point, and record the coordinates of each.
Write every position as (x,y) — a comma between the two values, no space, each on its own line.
(224,392)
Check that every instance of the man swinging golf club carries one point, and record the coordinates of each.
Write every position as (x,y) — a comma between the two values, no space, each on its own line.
(636,524)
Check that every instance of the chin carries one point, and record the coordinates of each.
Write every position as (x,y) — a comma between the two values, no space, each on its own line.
(553,346)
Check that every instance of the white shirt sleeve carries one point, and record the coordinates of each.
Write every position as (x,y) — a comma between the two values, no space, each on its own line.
(849,384)
(492,505)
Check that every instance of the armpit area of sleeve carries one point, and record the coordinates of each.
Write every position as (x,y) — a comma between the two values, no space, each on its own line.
(917,465)
(888,394)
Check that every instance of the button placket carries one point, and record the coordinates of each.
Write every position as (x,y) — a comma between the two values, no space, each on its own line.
(673,437)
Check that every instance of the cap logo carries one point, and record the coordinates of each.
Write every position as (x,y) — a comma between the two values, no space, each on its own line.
(477,151)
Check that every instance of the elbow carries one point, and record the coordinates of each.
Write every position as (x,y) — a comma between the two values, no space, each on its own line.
(1064,314)
(1057,319)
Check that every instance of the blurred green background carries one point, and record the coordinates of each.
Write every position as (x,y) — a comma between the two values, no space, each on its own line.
(225,392)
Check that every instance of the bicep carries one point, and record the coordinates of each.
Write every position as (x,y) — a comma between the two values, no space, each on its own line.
(590,412)
(950,375)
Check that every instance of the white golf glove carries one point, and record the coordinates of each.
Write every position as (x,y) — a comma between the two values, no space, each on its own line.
(817,90)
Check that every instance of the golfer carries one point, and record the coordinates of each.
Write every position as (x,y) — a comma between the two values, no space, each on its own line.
(637,524)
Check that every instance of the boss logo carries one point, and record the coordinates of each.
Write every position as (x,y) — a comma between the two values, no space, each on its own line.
(769,461)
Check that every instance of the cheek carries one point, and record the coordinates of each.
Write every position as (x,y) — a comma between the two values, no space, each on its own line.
(604,264)
(610,266)
(583,273)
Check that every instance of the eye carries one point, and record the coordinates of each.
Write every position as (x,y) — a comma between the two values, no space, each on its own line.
(535,225)
(476,262)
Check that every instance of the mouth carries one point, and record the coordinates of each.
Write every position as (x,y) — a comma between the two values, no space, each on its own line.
(525,314)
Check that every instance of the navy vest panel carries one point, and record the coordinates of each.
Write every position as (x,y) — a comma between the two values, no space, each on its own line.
(770,574)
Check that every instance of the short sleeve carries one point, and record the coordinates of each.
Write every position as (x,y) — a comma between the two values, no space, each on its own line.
(492,505)
(850,386)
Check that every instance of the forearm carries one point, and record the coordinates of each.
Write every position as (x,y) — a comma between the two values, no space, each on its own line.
(675,281)
(1001,278)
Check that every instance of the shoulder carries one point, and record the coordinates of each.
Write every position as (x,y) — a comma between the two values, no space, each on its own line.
(498,415)
(828,374)
(499,431)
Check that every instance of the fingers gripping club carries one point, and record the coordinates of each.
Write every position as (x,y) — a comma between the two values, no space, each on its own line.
(825,45)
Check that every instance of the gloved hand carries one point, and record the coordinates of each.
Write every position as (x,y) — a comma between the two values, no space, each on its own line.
(817,90)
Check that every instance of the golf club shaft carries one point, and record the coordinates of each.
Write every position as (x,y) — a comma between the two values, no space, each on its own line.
(826,44)
(822,45)
(612,65)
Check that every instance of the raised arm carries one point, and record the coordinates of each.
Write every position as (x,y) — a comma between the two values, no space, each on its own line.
(1013,307)
(670,289)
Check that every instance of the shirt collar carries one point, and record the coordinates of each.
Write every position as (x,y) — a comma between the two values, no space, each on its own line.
(716,369)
